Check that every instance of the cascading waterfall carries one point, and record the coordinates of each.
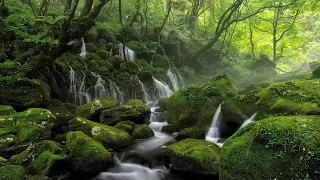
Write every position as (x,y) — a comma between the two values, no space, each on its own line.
(249,120)
(174,80)
(162,90)
(83,49)
(213,135)
(78,88)
(114,92)
(127,53)
(99,88)
(146,97)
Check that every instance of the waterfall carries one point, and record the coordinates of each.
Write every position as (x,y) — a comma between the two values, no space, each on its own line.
(182,84)
(114,92)
(78,88)
(162,90)
(127,53)
(249,120)
(174,80)
(146,97)
(213,135)
(83,49)
(99,88)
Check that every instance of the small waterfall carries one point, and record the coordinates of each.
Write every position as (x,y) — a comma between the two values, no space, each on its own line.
(146,97)
(83,49)
(127,53)
(213,134)
(114,92)
(99,88)
(250,120)
(174,80)
(182,84)
(78,88)
(162,90)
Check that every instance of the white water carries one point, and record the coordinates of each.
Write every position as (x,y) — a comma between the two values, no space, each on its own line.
(127,53)
(99,88)
(162,90)
(78,88)
(213,135)
(249,120)
(174,80)
(146,97)
(115,92)
(83,49)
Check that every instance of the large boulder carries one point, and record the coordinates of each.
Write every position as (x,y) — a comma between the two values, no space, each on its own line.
(142,131)
(23,93)
(134,111)
(19,129)
(191,132)
(61,111)
(93,109)
(111,137)
(46,158)
(274,148)
(126,126)
(86,154)
(196,105)
(196,156)
(285,98)
(11,172)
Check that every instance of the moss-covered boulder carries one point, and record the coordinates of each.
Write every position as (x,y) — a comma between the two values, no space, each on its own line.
(191,132)
(111,137)
(316,72)
(134,111)
(23,93)
(126,126)
(142,131)
(46,158)
(6,110)
(196,156)
(297,97)
(18,129)
(3,161)
(62,113)
(93,109)
(163,103)
(11,172)
(145,76)
(86,154)
(196,105)
(274,148)
(168,129)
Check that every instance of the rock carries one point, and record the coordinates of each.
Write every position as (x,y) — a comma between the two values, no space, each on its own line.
(196,156)
(93,109)
(38,177)
(145,76)
(163,103)
(316,72)
(110,137)
(86,154)
(6,110)
(196,105)
(168,129)
(22,93)
(142,131)
(3,161)
(46,158)
(191,132)
(159,110)
(62,113)
(126,126)
(134,111)
(18,129)
(273,148)
(11,172)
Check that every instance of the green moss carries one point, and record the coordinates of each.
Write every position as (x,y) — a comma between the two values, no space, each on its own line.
(126,126)
(62,113)
(134,111)
(6,110)
(86,154)
(145,76)
(196,104)
(11,172)
(163,103)
(91,48)
(94,107)
(273,148)
(196,156)
(142,131)
(93,66)
(134,68)
(104,55)
(3,161)
(38,177)
(191,132)
(168,129)
(110,137)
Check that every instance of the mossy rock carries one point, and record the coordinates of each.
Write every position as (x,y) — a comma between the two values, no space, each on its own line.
(61,111)
(196,105)
(163,103)
(134,111)
(11,172)
(23,93)
(316,72)
(86,154)
(126,126)
(93,66)
(111,137)
(298,97)
(91,48)
(46,158)
(116,61)
(134,68)
(145,76)
(168,129)
(6,110)
(196,156)
(191,132)
(104,55)
(284,147)
(93,109)
(18,129)
(3,161)
(142,131)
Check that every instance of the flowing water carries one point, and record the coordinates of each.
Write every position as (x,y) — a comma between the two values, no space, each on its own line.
(162,89)
(126,53)
(174,79)
(213,135)
(249,120)
(83,49)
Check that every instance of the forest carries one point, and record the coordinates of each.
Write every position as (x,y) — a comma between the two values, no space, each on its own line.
(159,89)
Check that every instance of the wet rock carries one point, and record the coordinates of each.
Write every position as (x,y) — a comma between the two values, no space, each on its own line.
(142,131)
(191,132)
(126,126)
